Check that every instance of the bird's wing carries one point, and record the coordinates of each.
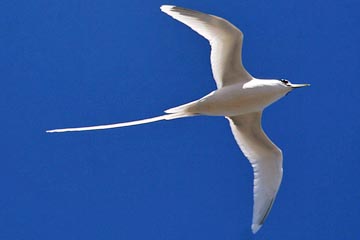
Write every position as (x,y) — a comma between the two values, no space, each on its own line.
(225,40)
(266,160)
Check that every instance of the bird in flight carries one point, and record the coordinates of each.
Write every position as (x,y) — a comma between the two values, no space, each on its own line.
(240,97)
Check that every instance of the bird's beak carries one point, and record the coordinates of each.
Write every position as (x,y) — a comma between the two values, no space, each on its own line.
(299,85)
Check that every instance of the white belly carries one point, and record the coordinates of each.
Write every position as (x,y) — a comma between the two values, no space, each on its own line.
(235,100)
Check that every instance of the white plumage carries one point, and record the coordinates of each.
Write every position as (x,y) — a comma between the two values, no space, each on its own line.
(240,97)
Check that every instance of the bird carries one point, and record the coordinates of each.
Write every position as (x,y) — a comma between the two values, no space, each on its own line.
(239,97)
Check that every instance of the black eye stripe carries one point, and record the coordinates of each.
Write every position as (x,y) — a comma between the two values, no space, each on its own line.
(284,81)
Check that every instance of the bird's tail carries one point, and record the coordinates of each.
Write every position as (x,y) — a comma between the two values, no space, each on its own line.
(125,124)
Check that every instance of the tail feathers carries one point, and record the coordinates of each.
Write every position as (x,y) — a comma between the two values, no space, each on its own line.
(181,109)
(125,124)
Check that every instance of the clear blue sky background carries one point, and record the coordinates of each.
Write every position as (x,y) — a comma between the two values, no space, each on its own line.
(82,62)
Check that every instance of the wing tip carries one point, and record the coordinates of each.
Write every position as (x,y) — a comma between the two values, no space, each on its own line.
(255,228)
(167,8)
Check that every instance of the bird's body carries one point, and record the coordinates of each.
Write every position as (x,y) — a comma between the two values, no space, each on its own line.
(239,97)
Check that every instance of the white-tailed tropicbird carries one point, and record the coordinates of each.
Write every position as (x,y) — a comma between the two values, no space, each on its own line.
(239,97)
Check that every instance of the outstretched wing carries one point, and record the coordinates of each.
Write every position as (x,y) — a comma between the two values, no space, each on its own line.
(266,160)
(225,40)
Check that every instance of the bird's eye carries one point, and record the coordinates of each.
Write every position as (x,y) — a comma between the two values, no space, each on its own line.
(284,81)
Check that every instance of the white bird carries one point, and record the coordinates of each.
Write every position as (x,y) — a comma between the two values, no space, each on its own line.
(239,97)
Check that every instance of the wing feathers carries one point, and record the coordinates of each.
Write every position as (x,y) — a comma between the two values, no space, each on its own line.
(225,40)
(266,160)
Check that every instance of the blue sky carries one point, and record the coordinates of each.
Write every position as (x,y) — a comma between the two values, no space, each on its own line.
(77,63)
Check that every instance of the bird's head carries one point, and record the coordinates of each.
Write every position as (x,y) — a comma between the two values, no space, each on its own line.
(291,86)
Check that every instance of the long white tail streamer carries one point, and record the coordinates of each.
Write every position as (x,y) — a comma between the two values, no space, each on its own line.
(124,124)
